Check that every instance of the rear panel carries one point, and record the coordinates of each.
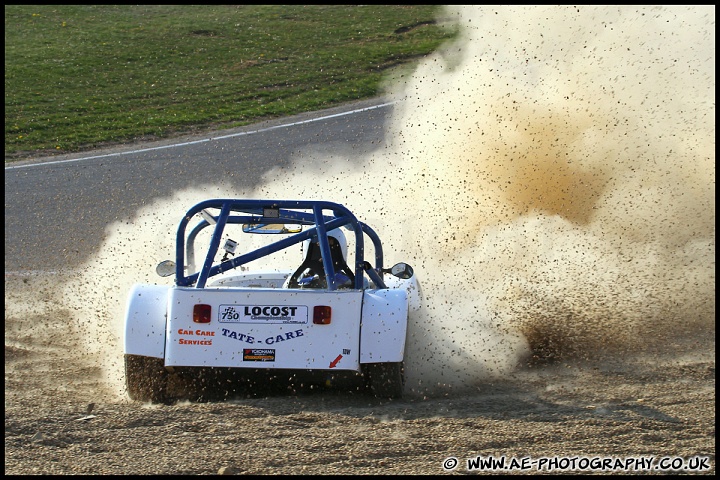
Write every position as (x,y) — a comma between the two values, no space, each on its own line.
(263,328)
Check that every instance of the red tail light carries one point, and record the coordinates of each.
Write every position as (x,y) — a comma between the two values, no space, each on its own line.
(201,313)
(321,315)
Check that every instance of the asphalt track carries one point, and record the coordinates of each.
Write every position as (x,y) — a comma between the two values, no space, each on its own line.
(56,208)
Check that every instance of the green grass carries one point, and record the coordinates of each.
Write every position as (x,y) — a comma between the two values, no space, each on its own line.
(80,77)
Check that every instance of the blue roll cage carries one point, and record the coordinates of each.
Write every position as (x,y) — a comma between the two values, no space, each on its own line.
(234,211)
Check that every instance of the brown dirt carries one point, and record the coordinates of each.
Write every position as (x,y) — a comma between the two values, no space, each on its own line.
(658,403)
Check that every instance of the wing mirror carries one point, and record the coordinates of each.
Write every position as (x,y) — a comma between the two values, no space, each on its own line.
(165,268)
(400,270)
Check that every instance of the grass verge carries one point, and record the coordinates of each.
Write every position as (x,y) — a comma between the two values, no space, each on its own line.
(80,77)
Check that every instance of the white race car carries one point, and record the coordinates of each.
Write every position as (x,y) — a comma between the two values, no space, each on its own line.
(319,317)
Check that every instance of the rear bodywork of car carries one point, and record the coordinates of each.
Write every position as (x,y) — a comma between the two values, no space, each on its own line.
(223,316)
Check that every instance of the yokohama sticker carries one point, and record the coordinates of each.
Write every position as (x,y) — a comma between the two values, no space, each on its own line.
(263,314)
(258,354)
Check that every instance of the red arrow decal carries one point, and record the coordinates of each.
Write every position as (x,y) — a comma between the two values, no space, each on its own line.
(335,362)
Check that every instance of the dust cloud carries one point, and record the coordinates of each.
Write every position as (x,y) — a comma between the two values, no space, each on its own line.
(549,175)
(554,173)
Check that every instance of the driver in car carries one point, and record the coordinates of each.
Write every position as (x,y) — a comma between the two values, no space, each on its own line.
(311,273)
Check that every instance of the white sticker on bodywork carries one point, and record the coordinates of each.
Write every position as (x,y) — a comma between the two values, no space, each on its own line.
(263,314)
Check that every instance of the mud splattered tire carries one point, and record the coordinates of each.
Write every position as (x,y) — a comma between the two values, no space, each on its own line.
(146,378)
(386,380)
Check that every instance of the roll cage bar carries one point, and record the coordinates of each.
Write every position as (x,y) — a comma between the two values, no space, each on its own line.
(300,212)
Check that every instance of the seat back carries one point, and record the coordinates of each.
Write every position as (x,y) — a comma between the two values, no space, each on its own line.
(313,265)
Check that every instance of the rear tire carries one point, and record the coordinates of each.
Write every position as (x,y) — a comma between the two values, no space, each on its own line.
(386,380)
(146,378)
